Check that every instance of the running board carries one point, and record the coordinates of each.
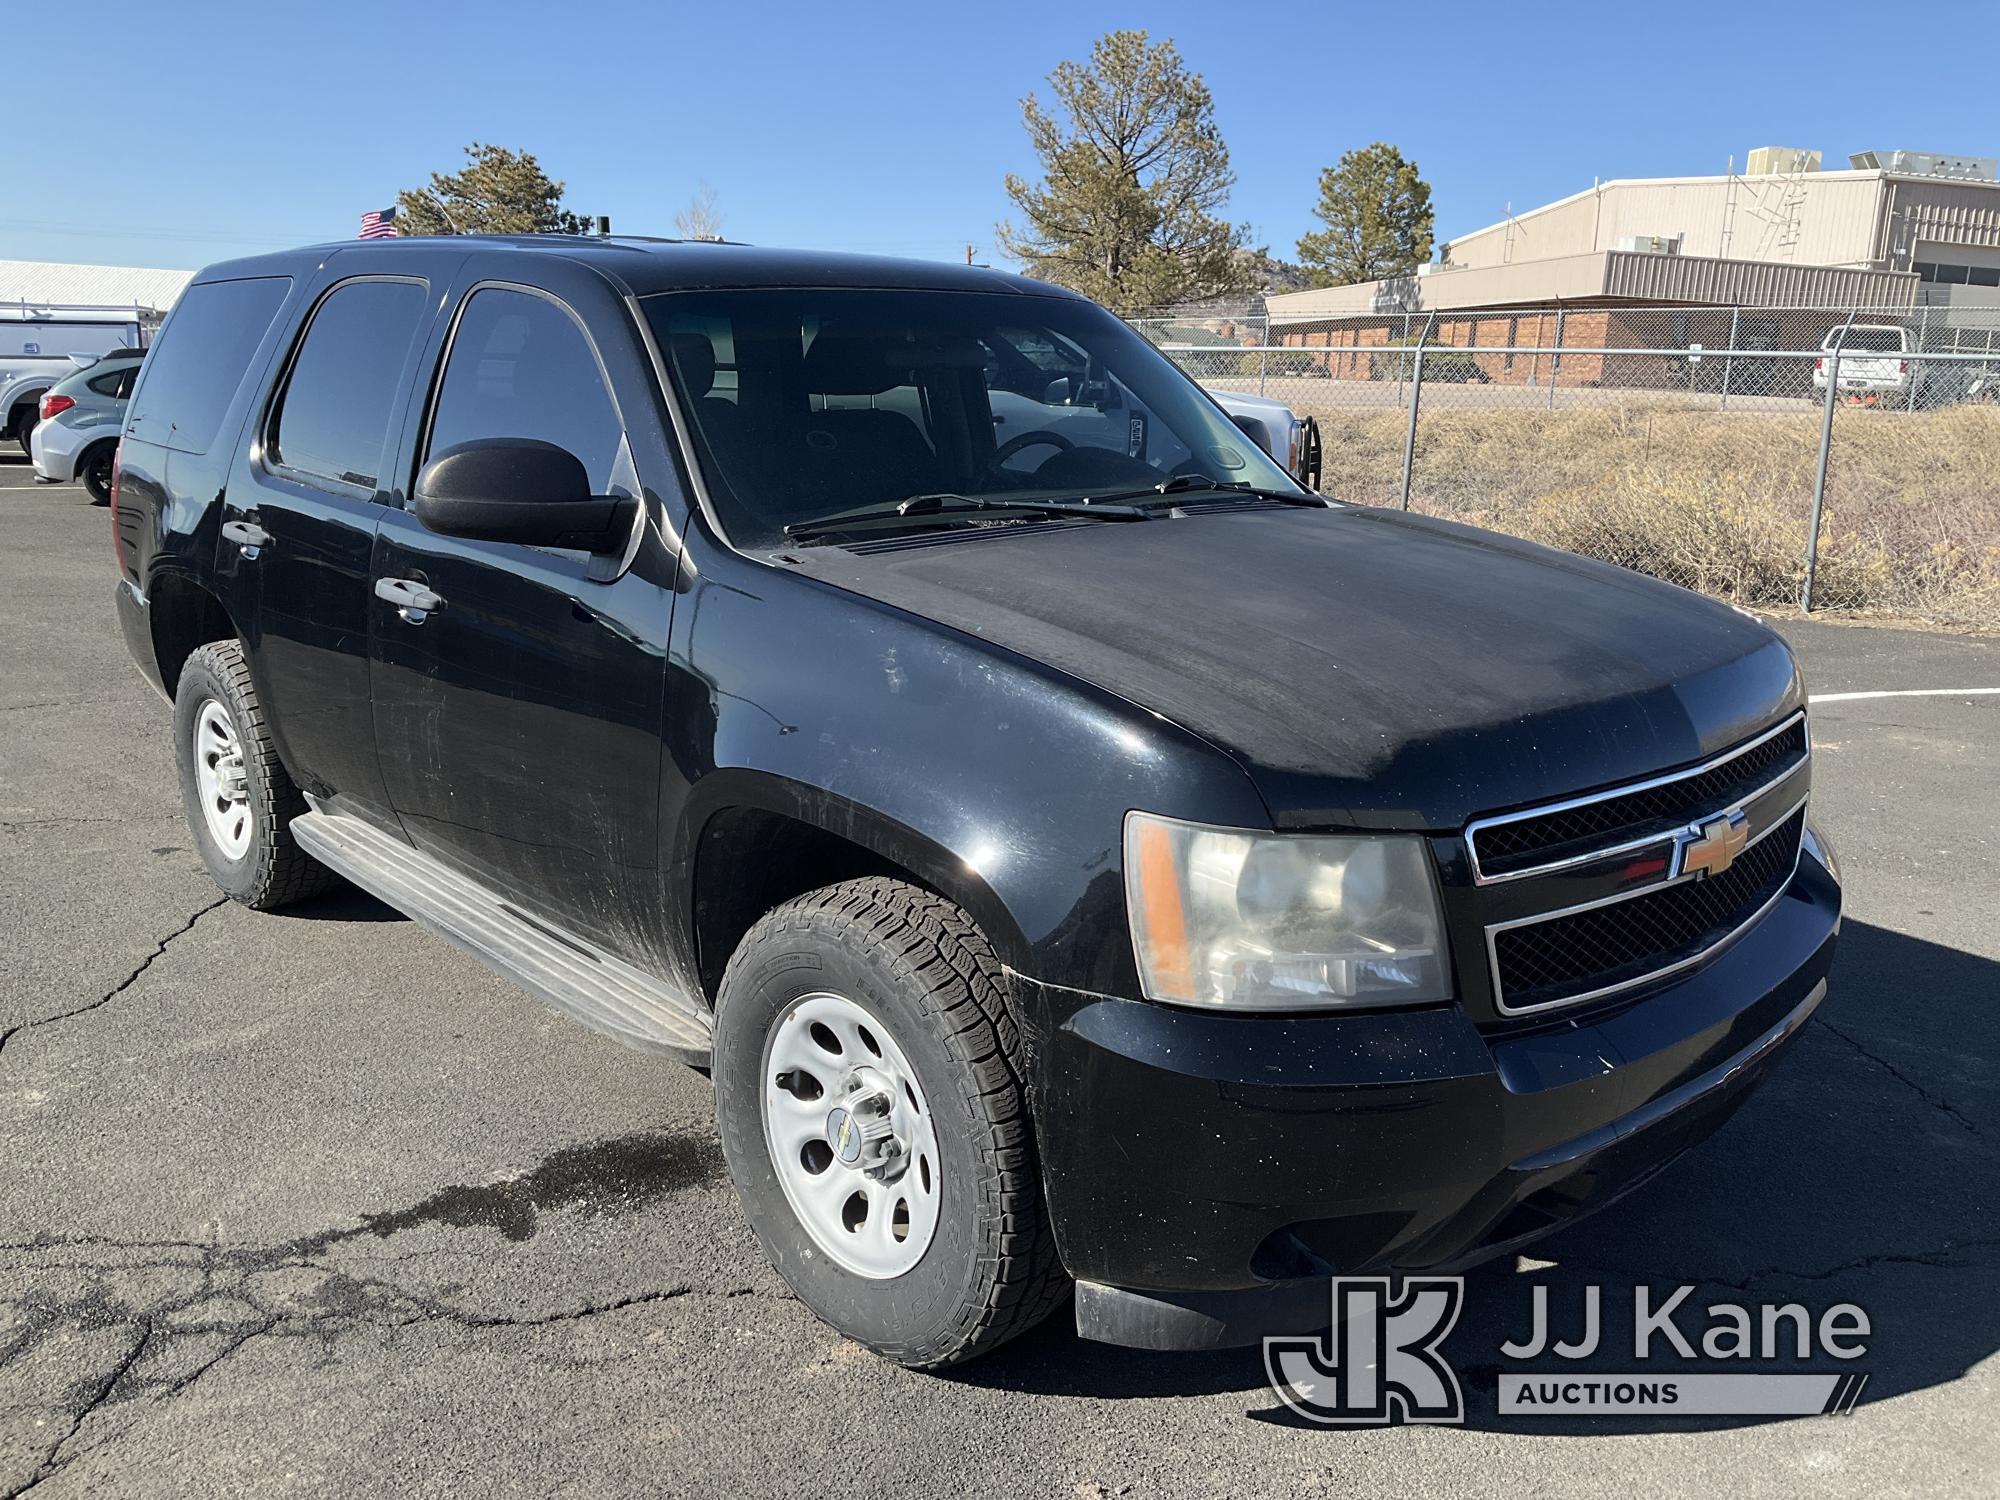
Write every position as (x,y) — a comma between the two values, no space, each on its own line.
(626,1004)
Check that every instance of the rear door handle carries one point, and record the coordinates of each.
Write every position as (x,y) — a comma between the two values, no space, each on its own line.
(413,601)
(248,535)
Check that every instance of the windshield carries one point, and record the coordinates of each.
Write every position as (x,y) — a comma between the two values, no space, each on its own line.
(811,403)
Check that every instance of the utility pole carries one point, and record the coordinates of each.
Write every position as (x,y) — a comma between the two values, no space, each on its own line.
(968,254)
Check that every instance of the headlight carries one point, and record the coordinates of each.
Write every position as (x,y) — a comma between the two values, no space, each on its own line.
(1262,921)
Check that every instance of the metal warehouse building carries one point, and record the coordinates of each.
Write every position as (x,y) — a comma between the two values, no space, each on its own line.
(29,286)
(1898,230)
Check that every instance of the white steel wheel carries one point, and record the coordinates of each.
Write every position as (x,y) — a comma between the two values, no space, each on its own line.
(850,1136)
(221,781)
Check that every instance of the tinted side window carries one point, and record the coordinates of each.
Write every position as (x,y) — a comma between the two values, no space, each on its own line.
(333,416)
(115,383)
(520,367)
(198,362)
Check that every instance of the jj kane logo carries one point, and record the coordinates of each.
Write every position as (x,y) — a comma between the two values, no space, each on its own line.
(1381,1360)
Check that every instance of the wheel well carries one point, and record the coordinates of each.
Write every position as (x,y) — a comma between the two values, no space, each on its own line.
(184,616)
(751,860)
(83,458)
(31,404)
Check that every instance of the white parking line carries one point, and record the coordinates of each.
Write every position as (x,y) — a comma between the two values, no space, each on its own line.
(1905,693)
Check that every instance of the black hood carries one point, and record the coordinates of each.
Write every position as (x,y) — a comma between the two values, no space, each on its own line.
(1366,668)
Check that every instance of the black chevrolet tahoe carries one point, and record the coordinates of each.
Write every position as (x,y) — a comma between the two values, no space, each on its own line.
(1081,857)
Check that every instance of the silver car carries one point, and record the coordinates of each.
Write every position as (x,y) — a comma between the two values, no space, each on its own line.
(80,418)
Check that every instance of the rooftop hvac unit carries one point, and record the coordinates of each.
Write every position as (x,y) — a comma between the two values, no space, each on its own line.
(1779,161)
(1928,164)
(1650,244)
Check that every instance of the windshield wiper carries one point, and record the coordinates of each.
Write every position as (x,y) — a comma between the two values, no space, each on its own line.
(1181,484)
(950,503)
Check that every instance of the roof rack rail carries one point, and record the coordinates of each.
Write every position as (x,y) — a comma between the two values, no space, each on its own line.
(35,308)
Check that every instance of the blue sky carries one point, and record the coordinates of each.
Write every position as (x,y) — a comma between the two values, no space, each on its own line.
(888,127)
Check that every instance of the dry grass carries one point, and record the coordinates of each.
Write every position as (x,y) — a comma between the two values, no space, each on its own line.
(1719,501)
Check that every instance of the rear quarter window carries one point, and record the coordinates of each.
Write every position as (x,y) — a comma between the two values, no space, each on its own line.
(114,383)
(198,361)
(1868,340)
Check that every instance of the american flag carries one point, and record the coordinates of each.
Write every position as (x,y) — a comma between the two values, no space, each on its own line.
(378,224)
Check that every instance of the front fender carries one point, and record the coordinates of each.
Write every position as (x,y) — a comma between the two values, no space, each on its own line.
(939,868)
(1001,782)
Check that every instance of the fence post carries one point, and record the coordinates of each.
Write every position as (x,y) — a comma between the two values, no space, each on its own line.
(1263,357)
(1416,400)
(1729,358)
(1917,365)
(1556,363)
(1819,479)
(1405,342)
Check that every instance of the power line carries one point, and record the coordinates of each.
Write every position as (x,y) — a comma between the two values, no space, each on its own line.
(114,231)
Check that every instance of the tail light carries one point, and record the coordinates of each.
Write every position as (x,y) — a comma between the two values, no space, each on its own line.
(52,403)
(117,537)
(1819,366)
(1904,367)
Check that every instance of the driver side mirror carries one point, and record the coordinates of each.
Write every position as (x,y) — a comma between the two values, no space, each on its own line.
(520,490)
(1254,430)
(1082,389)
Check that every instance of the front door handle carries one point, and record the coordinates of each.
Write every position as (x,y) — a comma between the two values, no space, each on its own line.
(413,601)
(248,535)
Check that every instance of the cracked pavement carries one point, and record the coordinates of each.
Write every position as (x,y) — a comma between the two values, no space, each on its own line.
(311,1204)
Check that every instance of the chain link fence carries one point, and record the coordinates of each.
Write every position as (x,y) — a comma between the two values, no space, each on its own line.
(1842,459)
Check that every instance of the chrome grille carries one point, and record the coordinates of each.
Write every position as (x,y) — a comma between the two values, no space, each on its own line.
(1596,894)
(1565,957)
(1516,844)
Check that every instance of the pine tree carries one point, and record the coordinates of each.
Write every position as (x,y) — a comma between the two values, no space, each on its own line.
(1378,218)
(499,192)
(1134,176)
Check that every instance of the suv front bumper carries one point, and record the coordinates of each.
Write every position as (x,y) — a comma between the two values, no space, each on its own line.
(1207,1171)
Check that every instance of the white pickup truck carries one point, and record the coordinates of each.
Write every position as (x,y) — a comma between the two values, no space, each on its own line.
(1075,405)
(1874,361)
(40,345)
(1291,439)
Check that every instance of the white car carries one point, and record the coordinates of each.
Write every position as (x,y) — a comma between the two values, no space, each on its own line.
(1874,360)
(80,419)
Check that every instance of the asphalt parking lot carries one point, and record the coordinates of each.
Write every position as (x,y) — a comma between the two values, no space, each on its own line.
(312,1204)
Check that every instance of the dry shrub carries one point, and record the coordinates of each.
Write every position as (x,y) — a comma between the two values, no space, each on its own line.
(1714,500)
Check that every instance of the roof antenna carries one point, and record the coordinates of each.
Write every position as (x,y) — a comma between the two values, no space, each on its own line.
(603,225)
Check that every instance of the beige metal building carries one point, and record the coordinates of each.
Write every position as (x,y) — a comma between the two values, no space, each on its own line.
(1894,230)
(30,284)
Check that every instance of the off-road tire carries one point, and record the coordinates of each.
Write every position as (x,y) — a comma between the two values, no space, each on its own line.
(923,966)
(274,871)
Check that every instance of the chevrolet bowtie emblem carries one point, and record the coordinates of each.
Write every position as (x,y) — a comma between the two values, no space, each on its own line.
(1710,848)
